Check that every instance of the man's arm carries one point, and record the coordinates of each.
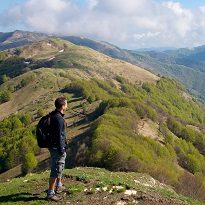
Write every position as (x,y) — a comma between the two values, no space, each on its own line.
(59,130)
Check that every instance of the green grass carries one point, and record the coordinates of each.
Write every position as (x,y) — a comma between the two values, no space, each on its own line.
(31,188)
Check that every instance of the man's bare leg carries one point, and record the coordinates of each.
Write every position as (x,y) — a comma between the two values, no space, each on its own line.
(58,181)
(52,183)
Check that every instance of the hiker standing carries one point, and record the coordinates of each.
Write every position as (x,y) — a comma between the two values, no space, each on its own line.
(57,148)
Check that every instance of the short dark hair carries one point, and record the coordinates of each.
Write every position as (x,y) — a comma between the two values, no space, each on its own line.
(59,102)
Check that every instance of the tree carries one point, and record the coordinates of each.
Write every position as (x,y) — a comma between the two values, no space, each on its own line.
(29,163)
(4,78)
(26,119)
(40,112)
(5,96)
(16,123)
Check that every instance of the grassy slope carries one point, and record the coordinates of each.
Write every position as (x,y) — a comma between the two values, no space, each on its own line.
(41,90)
(75,62)
(85,59)
(31,189)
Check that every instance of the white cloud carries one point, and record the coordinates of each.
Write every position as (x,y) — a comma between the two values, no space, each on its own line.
(127,23)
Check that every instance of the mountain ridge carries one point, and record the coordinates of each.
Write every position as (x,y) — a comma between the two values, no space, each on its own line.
(114,108)
(188,72)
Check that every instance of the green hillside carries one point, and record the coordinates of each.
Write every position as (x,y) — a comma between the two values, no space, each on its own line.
(120,117)
(185,65)
(93,186)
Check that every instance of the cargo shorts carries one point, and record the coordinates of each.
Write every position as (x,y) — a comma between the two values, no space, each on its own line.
(57,163)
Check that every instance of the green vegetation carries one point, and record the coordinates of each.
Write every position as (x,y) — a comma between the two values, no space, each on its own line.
(3,56)
(4,78)
(28,190)
(5,96)
(17,142)
(117,147)
(116,144)
(12,66)
(40,112)
(93,90)
(29,162)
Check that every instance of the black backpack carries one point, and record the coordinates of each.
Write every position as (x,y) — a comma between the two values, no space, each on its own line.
(43,134)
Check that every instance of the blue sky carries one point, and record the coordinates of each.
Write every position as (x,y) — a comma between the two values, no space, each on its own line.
(4,4)
(126,23)
(189,3)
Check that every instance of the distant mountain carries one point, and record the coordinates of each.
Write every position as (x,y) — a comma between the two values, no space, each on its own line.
(19,38)
(100,46)
(158,49)
(185,65)
(194,58)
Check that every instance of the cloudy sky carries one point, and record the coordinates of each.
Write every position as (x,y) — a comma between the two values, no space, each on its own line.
(126,23)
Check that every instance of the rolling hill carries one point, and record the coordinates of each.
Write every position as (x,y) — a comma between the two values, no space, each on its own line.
(184,65)
(19,38)
(121,117)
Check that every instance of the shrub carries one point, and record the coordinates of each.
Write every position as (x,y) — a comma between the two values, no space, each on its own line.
(146,87)
(5,96)
(40,112)
(190,185)
(16,139)
(174,126)
(4,78)
(26,119)
(29,163)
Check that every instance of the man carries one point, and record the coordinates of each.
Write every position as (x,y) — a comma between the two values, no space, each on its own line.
(57,148)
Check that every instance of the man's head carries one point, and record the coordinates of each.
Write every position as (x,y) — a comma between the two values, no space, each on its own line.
(61,103)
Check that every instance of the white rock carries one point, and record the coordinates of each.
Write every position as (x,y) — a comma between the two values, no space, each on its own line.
(121,203)
(137,182)
(25,180)
(104,188)
(97,189)
(50,59)
(130,192)
(110,191)
(118,187)
(27,62)
(148,185)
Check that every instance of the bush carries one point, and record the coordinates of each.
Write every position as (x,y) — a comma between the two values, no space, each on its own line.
(4,78)
(26,119)
(3,55)
(29,163)
(194,164)
(190,185)
(174,126)
(16,140)
(40,112)
(5,96)
(146,87)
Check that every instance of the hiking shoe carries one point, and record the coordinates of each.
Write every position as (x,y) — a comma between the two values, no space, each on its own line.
(60,189)
(52,197)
